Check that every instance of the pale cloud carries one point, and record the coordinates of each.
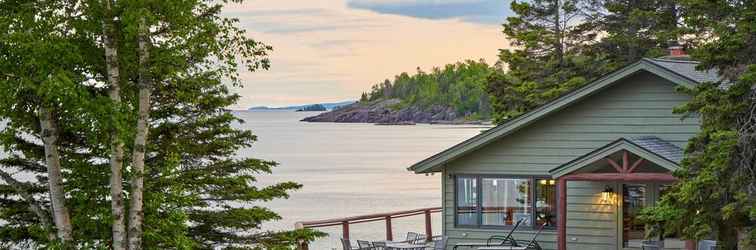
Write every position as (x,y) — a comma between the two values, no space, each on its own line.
(480,11)
(328,51)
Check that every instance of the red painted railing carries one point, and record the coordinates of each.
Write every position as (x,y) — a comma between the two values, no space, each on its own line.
(387,217)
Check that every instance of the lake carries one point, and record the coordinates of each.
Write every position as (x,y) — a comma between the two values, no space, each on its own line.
(350,169)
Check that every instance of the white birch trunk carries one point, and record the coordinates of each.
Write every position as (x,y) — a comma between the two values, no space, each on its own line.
(116,147)
(136,211)
(55,177)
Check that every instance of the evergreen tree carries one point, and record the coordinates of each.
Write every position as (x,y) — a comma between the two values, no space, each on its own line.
(634,29)
(549,57)
(717,189)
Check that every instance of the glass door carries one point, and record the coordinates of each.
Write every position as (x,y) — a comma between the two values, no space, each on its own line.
(634,198)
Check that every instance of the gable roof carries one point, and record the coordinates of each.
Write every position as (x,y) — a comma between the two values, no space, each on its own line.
(680,72)
(651,148)
(687,69)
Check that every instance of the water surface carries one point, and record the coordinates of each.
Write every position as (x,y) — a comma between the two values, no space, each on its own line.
(350,169)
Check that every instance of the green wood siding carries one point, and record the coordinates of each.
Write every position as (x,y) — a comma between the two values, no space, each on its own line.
(637,106)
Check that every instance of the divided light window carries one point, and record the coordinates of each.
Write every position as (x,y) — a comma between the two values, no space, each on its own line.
(500,201)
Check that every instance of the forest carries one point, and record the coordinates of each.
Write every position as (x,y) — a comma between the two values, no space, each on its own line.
(461,85)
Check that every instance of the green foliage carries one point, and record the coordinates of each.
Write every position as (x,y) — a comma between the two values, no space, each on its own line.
(717,189)
(460,86)
(557,47)
(199,194)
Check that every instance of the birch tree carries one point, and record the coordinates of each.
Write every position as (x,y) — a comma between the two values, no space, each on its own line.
(116,152)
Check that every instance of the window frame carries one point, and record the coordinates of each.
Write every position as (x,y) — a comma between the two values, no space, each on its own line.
(479,199)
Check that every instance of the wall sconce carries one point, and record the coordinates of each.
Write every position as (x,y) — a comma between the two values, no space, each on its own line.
(607,196)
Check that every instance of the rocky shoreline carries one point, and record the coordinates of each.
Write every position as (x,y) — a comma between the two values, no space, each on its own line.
(385,112)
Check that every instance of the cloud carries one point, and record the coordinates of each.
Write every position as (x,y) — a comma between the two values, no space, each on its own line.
(476,11)
(327,51)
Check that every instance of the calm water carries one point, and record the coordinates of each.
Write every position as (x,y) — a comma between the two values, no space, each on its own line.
(350,169)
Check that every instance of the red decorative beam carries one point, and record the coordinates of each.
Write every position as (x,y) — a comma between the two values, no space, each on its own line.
(615,165)
(620,177)
(635,165)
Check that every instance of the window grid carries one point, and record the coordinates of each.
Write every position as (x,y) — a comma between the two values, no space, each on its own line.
(479,199)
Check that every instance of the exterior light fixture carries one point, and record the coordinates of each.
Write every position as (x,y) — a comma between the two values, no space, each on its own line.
(607,196)
(544,182)
(552,182)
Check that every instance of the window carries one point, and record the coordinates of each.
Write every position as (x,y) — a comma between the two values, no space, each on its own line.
(545,202)
(501,201)
(467,201)
(505,201)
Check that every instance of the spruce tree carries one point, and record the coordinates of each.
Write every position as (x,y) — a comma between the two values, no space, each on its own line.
(715,195)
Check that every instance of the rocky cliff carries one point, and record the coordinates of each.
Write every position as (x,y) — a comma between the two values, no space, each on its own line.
(389,112)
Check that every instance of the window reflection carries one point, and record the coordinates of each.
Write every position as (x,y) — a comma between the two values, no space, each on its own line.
(545,195)
(505,201)
(467,200)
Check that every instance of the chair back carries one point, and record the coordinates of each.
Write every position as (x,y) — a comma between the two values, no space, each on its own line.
(363,244)
(346,244)
(707,245)
(411,236)
(651,245)
(419,239)
(440,244)
(379,245)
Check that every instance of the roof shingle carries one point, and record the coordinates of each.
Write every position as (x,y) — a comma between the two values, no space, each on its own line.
(660,147)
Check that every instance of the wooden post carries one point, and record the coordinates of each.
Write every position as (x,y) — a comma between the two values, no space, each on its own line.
(562,215)
(389,233)
(428,229)
(345,230)
(302,245)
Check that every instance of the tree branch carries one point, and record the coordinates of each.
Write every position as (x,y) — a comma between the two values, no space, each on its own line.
(34,206)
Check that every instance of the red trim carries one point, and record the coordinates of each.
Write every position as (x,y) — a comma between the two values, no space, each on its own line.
(620,177)
(562,189)
(635,165)
(625,161)
(562,215)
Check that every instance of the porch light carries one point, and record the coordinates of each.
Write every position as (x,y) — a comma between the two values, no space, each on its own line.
(607,196)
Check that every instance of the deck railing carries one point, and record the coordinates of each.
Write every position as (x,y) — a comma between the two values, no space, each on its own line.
(387,217)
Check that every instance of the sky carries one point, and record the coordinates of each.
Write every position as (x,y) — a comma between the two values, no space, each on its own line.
(333,50)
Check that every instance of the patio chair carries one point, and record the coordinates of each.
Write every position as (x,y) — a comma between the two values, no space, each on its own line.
(652,245)
(420,239)
(346,244)
(496,240)
(707,245)
(364,245)
(411,236)
(520,245)
(439,244)
(379,245)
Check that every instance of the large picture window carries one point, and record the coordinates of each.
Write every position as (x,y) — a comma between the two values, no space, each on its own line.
(501,201)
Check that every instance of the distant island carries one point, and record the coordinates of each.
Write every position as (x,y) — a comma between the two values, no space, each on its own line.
(327,106)
(454,94)
(314,107)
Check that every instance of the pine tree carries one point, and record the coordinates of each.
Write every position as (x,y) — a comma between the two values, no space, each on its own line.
(717,189)
(548,56)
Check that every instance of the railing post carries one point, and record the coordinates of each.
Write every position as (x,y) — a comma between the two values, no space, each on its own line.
(389,233)
(345,229)
(428,229)
(302,245)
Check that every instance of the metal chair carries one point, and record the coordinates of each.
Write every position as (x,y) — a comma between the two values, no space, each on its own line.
(652,245)
(520,245)
(440,243)
(496,240)
(411,236)
(379,245)
(420,239)
(707,245)
(346,244)
(364,245)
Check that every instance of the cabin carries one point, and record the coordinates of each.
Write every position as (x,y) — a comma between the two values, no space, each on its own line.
(580,166)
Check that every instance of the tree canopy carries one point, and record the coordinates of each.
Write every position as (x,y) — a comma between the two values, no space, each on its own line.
(460,85)
(57,61)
